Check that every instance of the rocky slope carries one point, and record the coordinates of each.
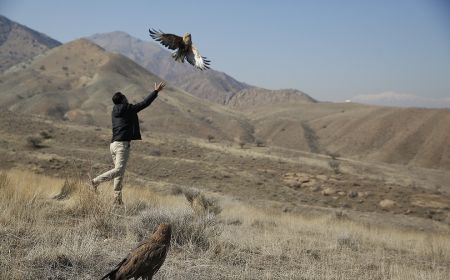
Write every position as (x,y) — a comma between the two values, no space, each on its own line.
(19,43)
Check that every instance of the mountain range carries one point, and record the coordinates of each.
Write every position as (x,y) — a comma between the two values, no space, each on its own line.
(75,81)
(19,43)
(211,85)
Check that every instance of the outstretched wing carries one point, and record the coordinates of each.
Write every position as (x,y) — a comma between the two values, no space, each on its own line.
(171,41)
(194,57)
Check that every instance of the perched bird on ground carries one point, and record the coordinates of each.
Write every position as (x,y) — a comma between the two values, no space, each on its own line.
(146,259)
(183,46)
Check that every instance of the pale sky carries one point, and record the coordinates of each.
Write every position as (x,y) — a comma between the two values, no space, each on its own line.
(332,50)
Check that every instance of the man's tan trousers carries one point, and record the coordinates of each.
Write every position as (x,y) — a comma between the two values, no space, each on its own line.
(120,151)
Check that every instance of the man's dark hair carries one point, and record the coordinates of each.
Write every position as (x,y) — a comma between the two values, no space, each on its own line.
(118,98)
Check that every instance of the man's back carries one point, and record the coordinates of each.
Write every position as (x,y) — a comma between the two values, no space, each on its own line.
(125,122)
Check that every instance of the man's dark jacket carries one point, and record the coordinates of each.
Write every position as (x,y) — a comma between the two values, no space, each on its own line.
(125,122)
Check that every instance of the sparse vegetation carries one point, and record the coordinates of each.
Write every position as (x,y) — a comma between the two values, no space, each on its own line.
(45,134)
(81,236)
(210,138)
(335,165)
(34,142)
(241,144)
(311,138)
(260,143)
(334,162)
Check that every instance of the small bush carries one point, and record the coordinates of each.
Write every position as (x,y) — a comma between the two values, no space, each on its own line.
(45,134)
(335,165)
(200,203)
(187,228)
(260,143)
(241,144)
(34,142)
(210,138)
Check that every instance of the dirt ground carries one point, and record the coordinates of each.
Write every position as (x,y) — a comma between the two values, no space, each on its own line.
(287,180)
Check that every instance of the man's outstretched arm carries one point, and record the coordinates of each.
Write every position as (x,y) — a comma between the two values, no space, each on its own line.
(149,98)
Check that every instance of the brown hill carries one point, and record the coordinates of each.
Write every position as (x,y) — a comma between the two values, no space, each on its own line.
(19,43)
(76,81)
(210,85)
(253,97)
(394,135)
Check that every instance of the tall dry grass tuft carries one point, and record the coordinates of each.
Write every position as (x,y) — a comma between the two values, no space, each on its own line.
(188,229)
(201,204)
(70,185)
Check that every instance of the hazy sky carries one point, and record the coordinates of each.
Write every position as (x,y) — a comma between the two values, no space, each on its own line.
(332,50)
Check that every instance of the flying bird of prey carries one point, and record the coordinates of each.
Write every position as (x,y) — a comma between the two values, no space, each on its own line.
(146,259)
(183,46)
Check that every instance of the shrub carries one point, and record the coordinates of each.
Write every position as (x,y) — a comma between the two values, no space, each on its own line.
(200,203)
(334,164)
(34,142)
(260,143)
(210,138)
(241,144)
(187,228)
(45,134)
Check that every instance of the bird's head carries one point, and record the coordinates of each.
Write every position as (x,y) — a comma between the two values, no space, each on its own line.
(187,38)
(163,233)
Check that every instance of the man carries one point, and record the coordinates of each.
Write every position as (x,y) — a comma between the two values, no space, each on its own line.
(125,128)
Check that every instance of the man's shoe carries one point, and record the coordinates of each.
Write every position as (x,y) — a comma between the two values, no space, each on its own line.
(92,186)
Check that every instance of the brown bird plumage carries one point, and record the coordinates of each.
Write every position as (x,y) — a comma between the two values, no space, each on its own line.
(183,46)
(146,259)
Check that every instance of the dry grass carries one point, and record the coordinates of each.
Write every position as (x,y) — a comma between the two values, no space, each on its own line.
(80,235)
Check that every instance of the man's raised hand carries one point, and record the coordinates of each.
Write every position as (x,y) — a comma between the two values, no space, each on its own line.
(160,86)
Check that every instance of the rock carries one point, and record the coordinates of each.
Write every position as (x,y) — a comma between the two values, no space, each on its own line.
(322,177)
(341,193)
(293,183)
(310,183)
(387,204)
(363,194)
(352,194)
(328,191)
